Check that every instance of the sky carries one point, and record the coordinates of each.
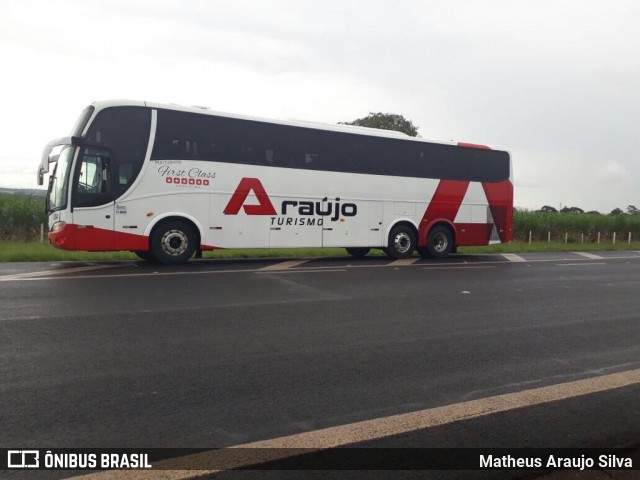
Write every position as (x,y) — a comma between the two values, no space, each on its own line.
(556,83)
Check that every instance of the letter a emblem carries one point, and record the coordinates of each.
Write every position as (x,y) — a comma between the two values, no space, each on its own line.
(246,186)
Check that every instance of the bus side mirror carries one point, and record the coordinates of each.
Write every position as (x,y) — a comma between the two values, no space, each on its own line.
(47,158)
(46,198)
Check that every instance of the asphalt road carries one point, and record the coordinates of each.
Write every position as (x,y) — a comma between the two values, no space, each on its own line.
(221,353)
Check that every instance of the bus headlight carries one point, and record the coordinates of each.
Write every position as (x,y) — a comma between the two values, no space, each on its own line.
(56,227)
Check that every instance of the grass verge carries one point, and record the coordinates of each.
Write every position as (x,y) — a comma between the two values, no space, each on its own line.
(12,251)
(524,247)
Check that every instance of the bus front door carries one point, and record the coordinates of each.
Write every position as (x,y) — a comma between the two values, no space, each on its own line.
(94,228)
(93,201)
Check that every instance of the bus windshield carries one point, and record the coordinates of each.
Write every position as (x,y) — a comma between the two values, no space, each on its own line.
(59,181)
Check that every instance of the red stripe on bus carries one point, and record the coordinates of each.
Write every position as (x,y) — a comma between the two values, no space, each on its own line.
(473,145)
(469,234)
(210,247)
(83,237)
(500,197)
(444,205)
(86,237)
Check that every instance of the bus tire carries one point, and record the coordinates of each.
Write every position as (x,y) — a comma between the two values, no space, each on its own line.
(402,242)
(148,256)
(357,252)
(439,242)
(173,242)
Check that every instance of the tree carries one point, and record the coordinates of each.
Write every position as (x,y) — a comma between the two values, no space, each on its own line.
(548,209)
(572,210)
(616,211)
(633,210)
(593,212)
(386,121)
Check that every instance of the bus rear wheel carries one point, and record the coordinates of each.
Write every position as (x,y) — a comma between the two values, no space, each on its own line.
(402,242)
(357,252)
(173,242)
(439,243)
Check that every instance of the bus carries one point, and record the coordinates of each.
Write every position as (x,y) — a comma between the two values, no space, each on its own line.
(168,182)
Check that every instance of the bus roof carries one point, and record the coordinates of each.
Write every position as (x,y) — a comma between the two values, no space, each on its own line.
(376,132)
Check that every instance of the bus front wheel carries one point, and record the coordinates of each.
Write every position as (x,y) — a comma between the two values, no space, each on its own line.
(173,242)
(402,242)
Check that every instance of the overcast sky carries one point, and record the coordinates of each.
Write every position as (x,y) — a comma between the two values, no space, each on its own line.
(557,83)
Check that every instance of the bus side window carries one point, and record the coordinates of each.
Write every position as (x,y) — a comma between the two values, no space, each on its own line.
(91,186)
(93,173)
(125,174)
(310,159)
(247,155)
(268,155)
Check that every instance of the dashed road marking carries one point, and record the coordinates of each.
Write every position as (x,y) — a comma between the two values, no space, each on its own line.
(340,436)
(35,276)
(48,273)
(585,264)
(302,270)
(589,255)
(283,265)
(403,262)
(460,267)
(512,257)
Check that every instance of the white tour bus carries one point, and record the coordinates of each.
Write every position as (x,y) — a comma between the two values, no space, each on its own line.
(166,181)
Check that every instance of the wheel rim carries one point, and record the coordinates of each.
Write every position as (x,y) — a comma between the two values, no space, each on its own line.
(440,242)
(402,242)
(174,243)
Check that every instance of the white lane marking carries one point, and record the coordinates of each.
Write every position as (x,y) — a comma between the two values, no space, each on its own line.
(461,267)
(375,429)
(302,270)
(284,265)
(119,275)
(247,270)
(48,273)
(512,257)
(403,262)
(589,255)
(580,264)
